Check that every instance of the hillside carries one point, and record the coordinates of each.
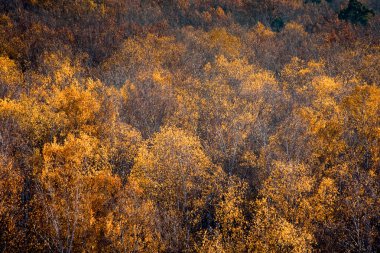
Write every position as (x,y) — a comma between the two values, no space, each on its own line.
(189,126)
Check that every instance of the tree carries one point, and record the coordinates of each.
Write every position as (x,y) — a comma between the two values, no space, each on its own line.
(139,57)
(361,109)
(66,203)
(231,230)
(72,107)
(11,182)
(173,171)
(354,223)
(282,222)
(151,102)
(227,120)
(356,13)
(11,79)
(135,224)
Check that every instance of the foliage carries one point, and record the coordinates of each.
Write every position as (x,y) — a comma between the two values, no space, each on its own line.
(189,126)
(356,12)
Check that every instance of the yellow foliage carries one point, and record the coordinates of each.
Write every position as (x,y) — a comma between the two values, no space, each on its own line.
(263,31)
(256,84)
(11,78)
(325,201)
(83,155)
(76,106)
(272,233)
(177,176)
(293,27)
(283,222)
(11,183)
(231,219)
(226,43)
(324,85)
(161,78)
(188,126)
(166,161)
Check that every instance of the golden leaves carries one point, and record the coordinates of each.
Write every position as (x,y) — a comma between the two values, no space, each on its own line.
(11,78)
(224,42)
(282,221)
(11,183)
(178,177)
(76,107)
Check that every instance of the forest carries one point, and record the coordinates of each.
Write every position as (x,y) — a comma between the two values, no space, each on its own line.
(206,126)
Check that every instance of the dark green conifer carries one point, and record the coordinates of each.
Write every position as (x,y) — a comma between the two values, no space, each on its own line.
(356,13)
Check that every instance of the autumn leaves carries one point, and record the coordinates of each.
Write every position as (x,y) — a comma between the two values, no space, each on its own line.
(225,139)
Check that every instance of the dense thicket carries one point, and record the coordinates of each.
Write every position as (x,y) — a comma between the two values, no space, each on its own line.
(189,126)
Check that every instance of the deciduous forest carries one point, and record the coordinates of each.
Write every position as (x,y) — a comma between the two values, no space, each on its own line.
(190,126)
